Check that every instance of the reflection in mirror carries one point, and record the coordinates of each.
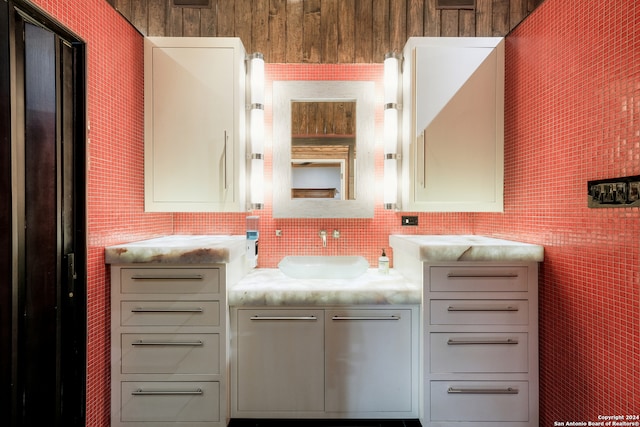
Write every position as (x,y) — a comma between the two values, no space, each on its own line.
(323,150)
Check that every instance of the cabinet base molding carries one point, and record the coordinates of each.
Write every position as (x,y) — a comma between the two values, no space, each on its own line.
(283,422)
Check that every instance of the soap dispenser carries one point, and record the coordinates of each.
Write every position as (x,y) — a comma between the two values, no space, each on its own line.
(253,236)
(383,263)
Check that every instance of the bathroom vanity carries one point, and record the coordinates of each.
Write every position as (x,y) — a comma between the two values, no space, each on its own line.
(449,336)
(324,348)
(169,329)
(479,328)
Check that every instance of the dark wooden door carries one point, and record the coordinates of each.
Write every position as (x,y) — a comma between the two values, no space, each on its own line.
(6,315)
(39,294)
(46,331)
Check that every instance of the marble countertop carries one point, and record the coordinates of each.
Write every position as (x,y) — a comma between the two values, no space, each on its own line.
(270,287)
(444,248)
(178,249)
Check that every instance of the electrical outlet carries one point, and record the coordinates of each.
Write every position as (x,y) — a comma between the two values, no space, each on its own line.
(409,220)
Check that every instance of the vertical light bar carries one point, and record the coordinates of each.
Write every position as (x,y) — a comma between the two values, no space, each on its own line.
(391,77)
(256,129)
(256,68)
(256,135)
(391,127)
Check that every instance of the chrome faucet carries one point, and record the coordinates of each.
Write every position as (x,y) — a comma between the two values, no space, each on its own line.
(323,236)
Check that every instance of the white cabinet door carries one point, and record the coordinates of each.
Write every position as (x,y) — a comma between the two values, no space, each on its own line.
(369,361)
(194,99)
(280,361)
(453,136)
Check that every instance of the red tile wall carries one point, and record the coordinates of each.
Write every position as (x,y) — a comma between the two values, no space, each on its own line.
(573,115)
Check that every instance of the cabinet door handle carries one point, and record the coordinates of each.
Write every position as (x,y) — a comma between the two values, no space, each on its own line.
(509,341)
(506,390)
(170,343)
(394,317)
(141,392)
(422,160)
(481,276)
(481,308)
(283,318)
(173,277)
(226,139)
(166,310)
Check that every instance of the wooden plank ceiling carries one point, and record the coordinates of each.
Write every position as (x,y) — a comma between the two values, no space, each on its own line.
(323,31)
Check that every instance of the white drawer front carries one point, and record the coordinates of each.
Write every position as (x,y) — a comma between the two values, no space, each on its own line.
(170,353)
(170,280)
(170,313)
(479,279)
(478,352)
(489,401)
(170,401)
(479,312)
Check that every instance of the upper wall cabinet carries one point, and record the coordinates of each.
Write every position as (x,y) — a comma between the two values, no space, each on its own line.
(453,125)
(194,110)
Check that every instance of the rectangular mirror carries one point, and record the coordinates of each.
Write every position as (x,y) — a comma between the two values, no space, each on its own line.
(323,149)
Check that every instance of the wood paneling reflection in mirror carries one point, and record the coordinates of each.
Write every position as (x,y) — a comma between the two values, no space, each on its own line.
(323,150)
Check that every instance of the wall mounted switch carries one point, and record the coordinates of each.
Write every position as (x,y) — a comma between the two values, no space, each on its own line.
(409,220)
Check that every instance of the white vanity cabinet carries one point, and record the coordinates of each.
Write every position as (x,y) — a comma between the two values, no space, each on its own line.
(194,124)
(325,362)
(279,361)
(453,124)
(370,361)
(480,344)
(168,346)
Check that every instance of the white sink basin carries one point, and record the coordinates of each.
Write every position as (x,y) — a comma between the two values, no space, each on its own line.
(323,267)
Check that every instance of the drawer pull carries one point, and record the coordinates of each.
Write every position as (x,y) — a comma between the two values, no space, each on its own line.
(166,310)
(283,318)
(507,390)
(509,341)
(481,308)
(365,318)
(140,392)
(175,343)
(481,276)
(164,277)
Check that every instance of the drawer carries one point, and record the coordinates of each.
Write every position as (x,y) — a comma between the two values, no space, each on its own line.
(489,401)
(479,312)
(170,280)
(478,352)
(170,401)
(170,313)
(478,279)
(170,353)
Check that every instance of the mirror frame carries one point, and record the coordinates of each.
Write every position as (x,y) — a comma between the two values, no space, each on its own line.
(286,92)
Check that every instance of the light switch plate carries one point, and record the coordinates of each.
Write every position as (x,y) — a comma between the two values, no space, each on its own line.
(623,192)
(409,220)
